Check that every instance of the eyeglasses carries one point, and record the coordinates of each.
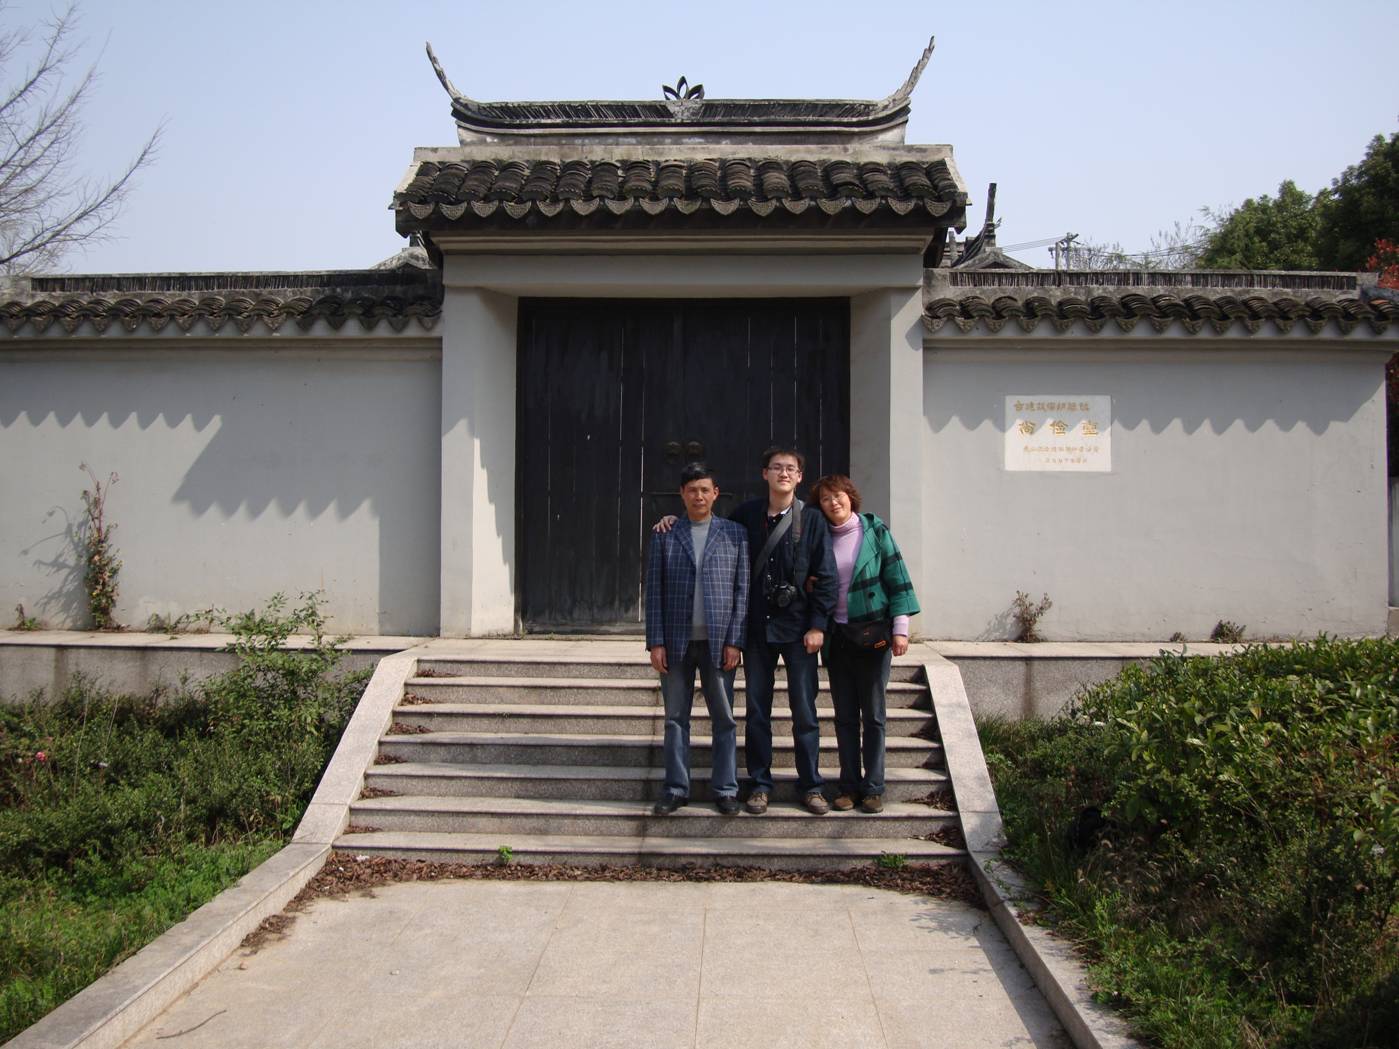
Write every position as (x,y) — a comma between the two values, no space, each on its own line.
(783,469)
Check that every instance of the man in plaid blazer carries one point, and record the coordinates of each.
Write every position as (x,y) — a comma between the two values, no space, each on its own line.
(697,578)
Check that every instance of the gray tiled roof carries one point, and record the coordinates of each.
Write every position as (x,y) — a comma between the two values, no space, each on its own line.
(250,302)
(1206,301)
(462,191)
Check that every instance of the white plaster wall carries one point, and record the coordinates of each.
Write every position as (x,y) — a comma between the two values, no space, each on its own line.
(244,471)
(1246,485)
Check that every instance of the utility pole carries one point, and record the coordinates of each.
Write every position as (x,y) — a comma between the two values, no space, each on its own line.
(1062,245)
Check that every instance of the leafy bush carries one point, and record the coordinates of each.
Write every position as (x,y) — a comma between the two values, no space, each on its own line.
(1249,827)
(101,795)
(99,776)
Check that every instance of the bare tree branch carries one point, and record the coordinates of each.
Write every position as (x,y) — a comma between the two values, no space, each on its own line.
(1177,248)
(46,205)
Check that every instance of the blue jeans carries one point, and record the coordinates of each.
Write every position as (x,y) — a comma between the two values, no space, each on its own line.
(760,668)
(858,683)
(678,690)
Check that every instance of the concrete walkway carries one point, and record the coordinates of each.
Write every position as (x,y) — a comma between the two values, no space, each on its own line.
(594,964)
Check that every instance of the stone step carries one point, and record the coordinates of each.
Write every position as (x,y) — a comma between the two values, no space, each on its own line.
(619,783)
(503,748)
(613,691)
(779,853)
(532,816)
(609,720)
(640,667)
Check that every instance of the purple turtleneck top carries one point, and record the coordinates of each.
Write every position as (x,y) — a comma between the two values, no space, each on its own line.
(845,541)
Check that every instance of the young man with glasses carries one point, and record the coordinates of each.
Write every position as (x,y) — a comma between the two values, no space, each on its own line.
(790,604)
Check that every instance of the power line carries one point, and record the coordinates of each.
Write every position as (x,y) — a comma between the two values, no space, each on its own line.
(1029,244)
(1070,249)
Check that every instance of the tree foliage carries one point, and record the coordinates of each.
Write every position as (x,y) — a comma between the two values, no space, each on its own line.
(47,204)
(1361,208)
(1269,233)
(1338,229)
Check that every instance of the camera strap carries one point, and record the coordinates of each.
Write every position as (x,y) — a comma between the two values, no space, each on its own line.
(775,536)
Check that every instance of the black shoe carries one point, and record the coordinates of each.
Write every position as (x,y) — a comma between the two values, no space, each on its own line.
(726,806)
(668,804)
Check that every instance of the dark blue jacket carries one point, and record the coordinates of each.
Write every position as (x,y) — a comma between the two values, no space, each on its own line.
(812,608)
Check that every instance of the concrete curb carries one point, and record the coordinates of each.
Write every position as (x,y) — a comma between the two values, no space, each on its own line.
(329,811)
(113,1008)
(1057,972)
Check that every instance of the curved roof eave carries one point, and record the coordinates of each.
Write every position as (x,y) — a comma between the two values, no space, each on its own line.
(670,116)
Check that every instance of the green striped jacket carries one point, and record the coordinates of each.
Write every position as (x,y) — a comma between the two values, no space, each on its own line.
(879,585)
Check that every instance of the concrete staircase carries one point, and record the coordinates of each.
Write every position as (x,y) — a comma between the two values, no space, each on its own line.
(560,761)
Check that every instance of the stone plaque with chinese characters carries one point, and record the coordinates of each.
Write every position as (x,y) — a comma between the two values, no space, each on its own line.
(1059,433)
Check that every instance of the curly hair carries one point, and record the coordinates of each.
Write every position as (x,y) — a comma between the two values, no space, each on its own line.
(836,483)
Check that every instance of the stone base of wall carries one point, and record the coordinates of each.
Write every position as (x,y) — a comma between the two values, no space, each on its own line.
(1017,681)
(48,661)
(1002,678)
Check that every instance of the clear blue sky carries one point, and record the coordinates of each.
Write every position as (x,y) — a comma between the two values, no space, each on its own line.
(289,124)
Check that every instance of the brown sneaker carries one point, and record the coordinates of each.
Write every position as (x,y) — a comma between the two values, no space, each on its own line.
(843,802)
(816,803)
(757,803)
(873,803)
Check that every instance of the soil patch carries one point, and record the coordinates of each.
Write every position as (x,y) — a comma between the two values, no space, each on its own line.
(345,873)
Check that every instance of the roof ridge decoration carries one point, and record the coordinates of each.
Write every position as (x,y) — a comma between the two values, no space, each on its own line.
(688,111)
(1194,312)
(683,98)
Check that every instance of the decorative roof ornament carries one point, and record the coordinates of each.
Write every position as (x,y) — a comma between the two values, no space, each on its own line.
(905,92)
(980,252)
(447,85)
(683,100)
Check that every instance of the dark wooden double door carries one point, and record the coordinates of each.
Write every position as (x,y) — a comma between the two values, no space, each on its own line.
(616,395)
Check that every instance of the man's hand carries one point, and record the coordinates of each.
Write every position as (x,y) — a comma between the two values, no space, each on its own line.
(665,524)
(900,644)
(731,654)
(813,640)
(658,659)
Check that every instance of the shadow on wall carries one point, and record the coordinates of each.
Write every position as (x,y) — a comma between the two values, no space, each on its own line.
(58,557)
(1192,389)
(279,432)
(1003,627)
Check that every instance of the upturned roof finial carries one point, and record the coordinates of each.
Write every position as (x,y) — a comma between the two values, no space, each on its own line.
(901,96)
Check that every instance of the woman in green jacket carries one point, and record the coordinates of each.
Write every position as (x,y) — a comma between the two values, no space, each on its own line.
(870,627)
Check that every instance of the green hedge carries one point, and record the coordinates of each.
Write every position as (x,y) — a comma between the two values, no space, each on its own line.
(1223,833)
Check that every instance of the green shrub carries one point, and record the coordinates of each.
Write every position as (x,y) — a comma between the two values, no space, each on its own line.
(105,799)
(1250,819)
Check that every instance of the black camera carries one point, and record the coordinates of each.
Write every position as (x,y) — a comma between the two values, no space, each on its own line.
(781,595)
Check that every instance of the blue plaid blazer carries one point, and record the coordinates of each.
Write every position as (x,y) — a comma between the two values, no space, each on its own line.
(670,587)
